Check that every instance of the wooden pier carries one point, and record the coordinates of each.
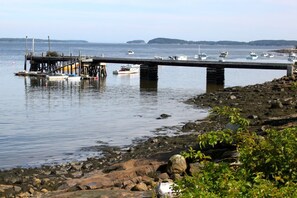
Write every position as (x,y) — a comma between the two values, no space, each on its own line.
(95,66)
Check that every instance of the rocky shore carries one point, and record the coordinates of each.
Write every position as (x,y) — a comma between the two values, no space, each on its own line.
(136,171)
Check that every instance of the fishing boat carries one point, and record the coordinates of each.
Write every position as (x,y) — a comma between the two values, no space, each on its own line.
(127,69)
(252,56)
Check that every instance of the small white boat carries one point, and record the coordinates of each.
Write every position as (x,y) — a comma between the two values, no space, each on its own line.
(264,54)
(292,57)
(128,69)
(201,56)
(56,77)
(73,77)
(182,57)
(270,55)
(224,54)
(130,52)
(158,57)
(252,56)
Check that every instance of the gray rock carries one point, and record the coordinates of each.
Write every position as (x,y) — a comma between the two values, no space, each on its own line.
(177,164)
(17,189)
(164,116)
(276,104)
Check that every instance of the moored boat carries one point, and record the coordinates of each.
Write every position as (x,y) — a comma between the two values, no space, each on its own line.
(128,69)
(57,77)
(223,54)
(130,52)
(180,57)
(292,57)
(74,77)
(252,56)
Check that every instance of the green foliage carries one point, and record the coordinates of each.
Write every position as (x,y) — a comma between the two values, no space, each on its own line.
(269,163)
(293,86)
(194,155)
(274,155)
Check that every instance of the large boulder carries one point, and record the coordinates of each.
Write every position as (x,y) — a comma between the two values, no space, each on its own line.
(176,165)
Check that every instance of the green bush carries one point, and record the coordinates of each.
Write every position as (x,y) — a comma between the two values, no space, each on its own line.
(268,163)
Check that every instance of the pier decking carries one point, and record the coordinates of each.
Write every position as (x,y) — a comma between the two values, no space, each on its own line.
(92,66)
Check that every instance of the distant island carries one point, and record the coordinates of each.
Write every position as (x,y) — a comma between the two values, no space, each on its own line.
(40,40)
(136,42)
(255,43)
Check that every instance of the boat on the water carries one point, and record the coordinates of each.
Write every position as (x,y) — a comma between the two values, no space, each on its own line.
(130,52)
(57,76)
(201,56)
(252,56)
(128,69)
(292,57)
(74,77)
(180,57)
(223,54)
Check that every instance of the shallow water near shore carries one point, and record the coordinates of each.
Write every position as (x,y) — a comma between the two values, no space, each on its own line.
(44,122)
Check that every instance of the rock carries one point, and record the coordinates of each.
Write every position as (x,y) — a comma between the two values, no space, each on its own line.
(44,190)
(17,189)
(189,126)
(232,97)
(195,168)
(140,187)
(232,127)
(31,190)
(163,176)
(163,116)
(230,154)
(276,104)
(253,117)
(36,182)
(176,164)
(77,174)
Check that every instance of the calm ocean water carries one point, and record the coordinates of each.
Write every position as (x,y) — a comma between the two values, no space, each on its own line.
(45,122)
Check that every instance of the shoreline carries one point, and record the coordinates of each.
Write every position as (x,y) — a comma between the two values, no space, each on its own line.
(263,104)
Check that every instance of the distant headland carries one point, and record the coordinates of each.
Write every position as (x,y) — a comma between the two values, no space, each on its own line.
(185,42)
(255,43)
(40,40)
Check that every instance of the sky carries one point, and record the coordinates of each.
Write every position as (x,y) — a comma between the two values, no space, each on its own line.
(119,21)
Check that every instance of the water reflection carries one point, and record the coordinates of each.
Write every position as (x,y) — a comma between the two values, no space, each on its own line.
(148,85)
(33,82)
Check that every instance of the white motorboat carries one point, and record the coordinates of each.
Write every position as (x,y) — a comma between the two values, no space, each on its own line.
(224,54)
(73,77)
(292,57)
(252,56)
(130,52)
(56,77)
(128,69)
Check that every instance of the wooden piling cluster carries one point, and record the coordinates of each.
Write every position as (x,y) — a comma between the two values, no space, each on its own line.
(70,65)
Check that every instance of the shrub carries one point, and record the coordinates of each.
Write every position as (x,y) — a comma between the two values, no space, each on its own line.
(269,163)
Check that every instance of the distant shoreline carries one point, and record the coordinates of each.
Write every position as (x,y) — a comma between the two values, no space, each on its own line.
(40,40)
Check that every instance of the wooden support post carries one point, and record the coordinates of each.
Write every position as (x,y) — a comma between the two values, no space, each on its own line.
(290,70)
